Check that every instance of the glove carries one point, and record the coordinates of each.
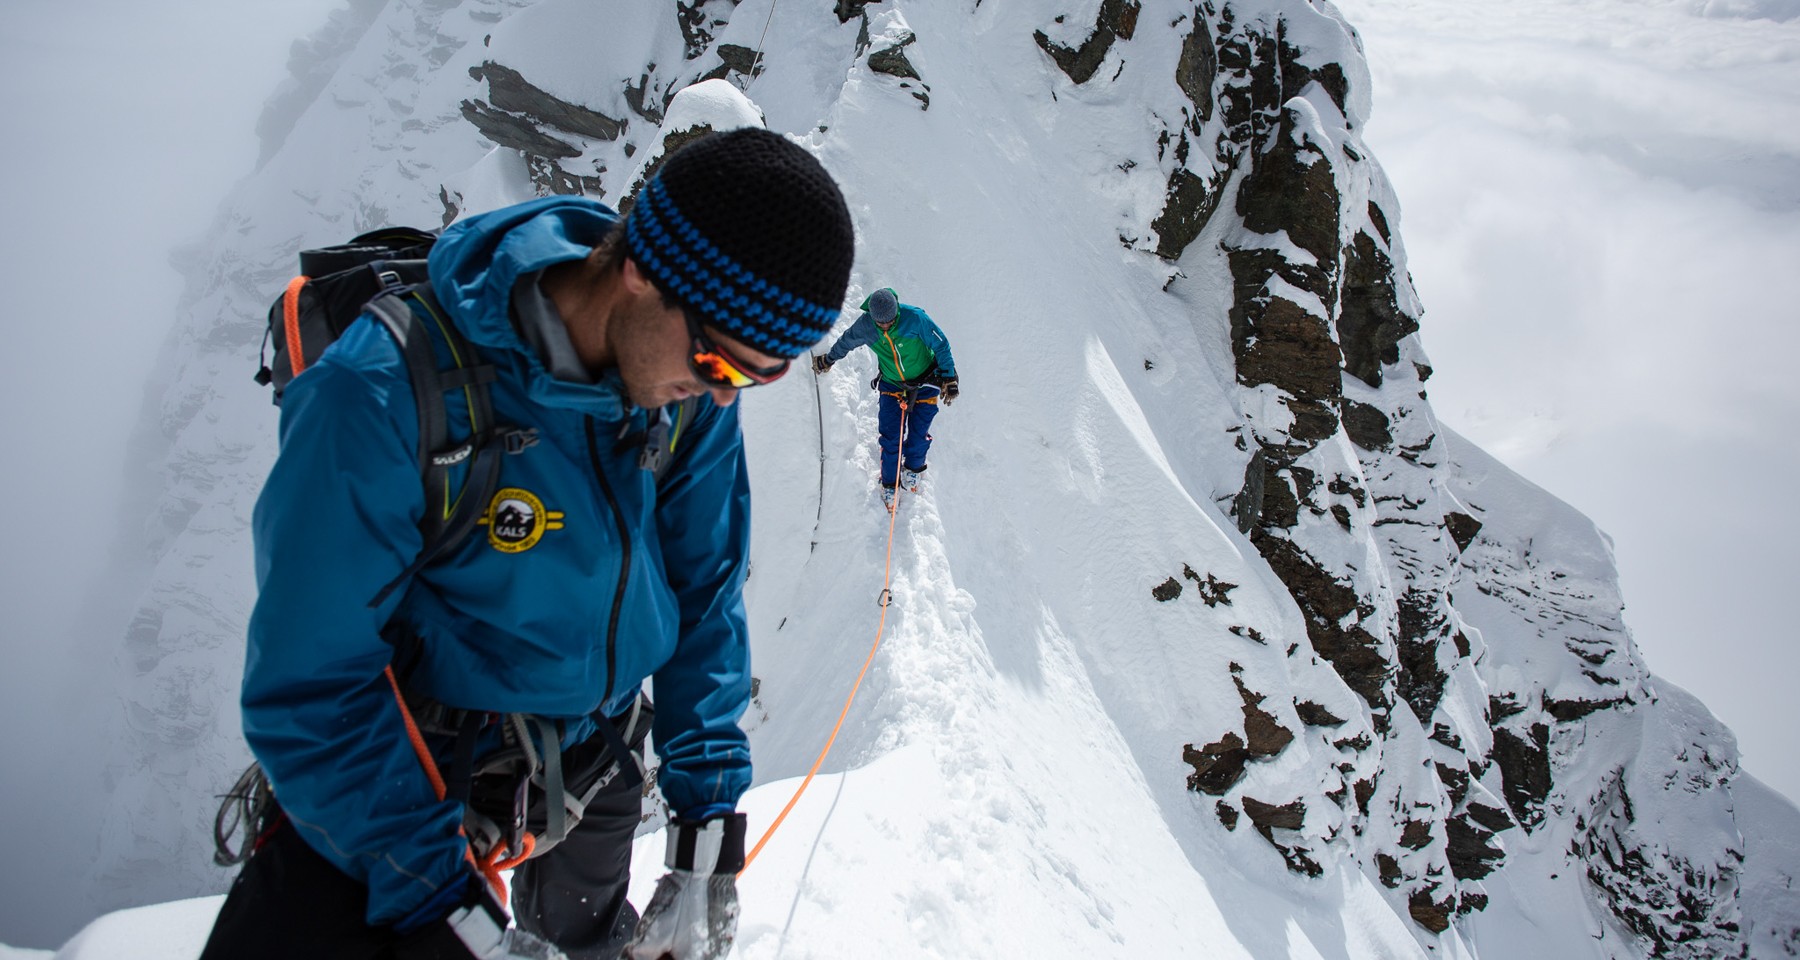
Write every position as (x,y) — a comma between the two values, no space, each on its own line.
(821,363)
(948,386)
(472,926)
(693,914)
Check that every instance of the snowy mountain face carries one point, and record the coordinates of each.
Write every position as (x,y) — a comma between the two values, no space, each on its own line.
(1206,637)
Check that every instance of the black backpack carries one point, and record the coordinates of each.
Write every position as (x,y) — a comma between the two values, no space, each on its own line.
(384,273)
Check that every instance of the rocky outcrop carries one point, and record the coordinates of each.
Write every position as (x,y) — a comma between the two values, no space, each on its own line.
(1117,21)
(544,128)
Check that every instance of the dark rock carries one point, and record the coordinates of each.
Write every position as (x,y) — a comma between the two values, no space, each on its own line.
(1266,736)
(1389,868)
(1247,506)
(508,90)
(1380,223)
(1188,204)
(1306,485)
(1212,590)
(1249,633)
(1370,324)
(1326,602)
(1268,816)
(1299,860)
(1568,710)
(1493,818)
(1167,590)
(1280,506)
(892,61)
(1341,486)
(1366,425)
(1228,814)
(697,29)
(1117,21)
(1463,529)
(1276,341)
(1455,781)
(1197,69)
(1416,834)
(1422,624)
(552,180)
(741,59)
(1501,707)
(1426,913)
(518,133)
(635,99)
(1314,715)
(451,207)
(1524,771)
(1472,853)
(1341,514)
(1291,188)
(846,9)
(1365,791)
(1337,86)
(1217,766)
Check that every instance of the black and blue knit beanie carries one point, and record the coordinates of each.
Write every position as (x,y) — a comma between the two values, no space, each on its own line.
(750,235)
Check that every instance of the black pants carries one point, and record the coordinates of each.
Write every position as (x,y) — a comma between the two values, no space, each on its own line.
(290,902)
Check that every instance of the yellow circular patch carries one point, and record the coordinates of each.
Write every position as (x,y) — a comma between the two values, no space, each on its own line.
(516,520)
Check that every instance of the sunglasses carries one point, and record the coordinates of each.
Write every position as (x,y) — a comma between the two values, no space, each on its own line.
(717,367)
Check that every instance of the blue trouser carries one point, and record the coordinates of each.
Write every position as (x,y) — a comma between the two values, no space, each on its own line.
(920,410)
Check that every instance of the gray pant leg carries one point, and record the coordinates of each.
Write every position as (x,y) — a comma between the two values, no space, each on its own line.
(574,896)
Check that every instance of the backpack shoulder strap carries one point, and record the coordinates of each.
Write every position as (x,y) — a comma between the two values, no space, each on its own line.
(448,520)
(664,433)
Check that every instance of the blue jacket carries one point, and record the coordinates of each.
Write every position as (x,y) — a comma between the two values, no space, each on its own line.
(917,349)
(605,581)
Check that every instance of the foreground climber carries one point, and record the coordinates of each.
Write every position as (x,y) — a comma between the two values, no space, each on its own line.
(525,647)
(917,371)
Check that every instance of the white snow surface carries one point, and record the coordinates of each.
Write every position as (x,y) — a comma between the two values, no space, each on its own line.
(1010,781)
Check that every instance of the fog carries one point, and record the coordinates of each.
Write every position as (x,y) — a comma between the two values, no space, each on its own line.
(1601,212)
(126,125)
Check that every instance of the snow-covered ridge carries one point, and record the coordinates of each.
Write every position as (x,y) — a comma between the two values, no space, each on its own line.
(1208,638)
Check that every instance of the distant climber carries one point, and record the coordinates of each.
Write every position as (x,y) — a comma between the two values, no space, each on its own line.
(917,371)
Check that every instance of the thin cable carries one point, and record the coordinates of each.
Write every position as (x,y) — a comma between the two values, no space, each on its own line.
(757,58)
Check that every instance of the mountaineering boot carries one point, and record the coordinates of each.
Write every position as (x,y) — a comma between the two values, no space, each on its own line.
(887,498)
(909,479)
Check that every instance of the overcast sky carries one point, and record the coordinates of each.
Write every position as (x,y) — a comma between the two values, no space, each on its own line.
(1601,206)
(126,123)
(1601,211)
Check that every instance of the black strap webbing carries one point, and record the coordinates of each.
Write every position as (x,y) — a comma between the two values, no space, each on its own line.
(447,521)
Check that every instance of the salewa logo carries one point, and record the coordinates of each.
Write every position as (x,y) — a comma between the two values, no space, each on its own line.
(450,458)
(516,520)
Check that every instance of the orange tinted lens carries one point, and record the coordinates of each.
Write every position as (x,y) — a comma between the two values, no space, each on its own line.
(718,371)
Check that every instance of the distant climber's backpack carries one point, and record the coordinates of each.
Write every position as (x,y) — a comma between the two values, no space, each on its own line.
(384,273)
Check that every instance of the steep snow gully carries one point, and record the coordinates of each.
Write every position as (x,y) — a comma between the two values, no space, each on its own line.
(1206,639)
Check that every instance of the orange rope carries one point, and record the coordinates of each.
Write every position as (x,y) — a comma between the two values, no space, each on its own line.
(290,321)
(886,578)
(490,866)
